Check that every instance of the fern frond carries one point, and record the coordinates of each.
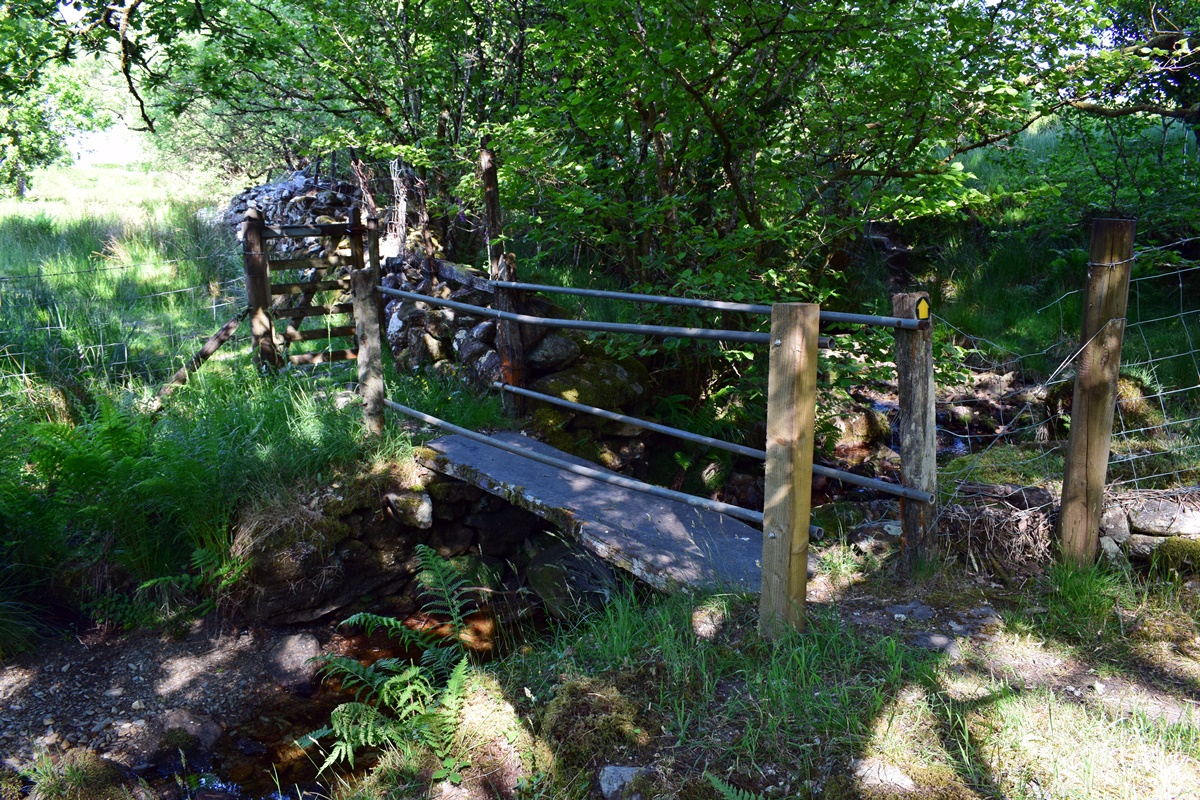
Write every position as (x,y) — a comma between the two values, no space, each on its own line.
(361,725)
(313,737)
(456,689)
(441,725)
(440,660)
(393,627)
(363,680)
(450,594)
(407,694)
(731,792)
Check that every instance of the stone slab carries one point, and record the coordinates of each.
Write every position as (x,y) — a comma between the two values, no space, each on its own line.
(668,544)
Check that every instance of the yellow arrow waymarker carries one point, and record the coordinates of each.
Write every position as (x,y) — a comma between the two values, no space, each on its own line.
(923,308)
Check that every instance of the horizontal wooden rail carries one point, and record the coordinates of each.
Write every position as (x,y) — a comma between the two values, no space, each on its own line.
(310,286)
(324,357)
(314,311)
(302,231)
(329,262)
(747,337)
(318,333)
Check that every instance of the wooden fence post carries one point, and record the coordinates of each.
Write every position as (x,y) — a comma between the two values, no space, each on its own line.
(354,223)
(1094,402)
(258,290)
(918,428)
(502,267)
(370,348)
(791,409)
(373,263)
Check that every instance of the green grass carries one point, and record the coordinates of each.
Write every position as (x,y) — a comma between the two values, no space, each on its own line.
(685,683)
(118,293)
(732,701)
(111,280)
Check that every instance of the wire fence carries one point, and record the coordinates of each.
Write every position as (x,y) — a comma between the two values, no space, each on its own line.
(1006,427)
(65,334)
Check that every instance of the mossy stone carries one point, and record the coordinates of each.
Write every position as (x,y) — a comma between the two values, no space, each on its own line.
(1134,410)
(604,384)
(590,722)
(1178,554)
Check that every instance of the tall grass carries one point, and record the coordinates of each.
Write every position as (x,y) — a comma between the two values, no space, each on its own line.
(104,292)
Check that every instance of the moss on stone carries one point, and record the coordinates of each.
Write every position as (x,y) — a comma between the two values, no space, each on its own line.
(1178,554)
(1135,411)
(839,518)
(590,722)
(595,383)
(1013,464)
(549,423)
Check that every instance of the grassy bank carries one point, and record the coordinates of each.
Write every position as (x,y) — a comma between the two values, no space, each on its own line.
(1082,684)
(110,278)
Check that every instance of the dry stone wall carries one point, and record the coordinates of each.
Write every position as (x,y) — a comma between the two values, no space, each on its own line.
(350,546)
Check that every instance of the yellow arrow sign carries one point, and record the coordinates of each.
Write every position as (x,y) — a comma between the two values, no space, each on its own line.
(923,308)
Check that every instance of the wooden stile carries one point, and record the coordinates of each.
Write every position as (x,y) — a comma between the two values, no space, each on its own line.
(1093,405)
(791,411)
(310,287)
(918,429)
(328,262)
(315,311)
(319,333)
(323,357)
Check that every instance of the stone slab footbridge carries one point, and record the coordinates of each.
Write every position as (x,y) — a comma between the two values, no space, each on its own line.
(667,538)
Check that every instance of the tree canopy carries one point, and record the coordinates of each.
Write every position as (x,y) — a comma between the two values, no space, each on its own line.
(656,135)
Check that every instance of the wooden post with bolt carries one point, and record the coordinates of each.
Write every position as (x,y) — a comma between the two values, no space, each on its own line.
(918,428)
(258,290)
(1098,369)
(791,411)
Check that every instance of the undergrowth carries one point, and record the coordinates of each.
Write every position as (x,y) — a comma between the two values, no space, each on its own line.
(400,706)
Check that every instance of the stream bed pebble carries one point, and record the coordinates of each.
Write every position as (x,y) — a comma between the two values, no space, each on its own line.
(121,695)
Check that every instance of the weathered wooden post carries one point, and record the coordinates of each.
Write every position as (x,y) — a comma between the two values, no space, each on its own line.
(258,290)
(370,350)
(355,235)
(1098,368)
(918,428)
(373,263)
(363,279)
(502,267)
(791,410)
